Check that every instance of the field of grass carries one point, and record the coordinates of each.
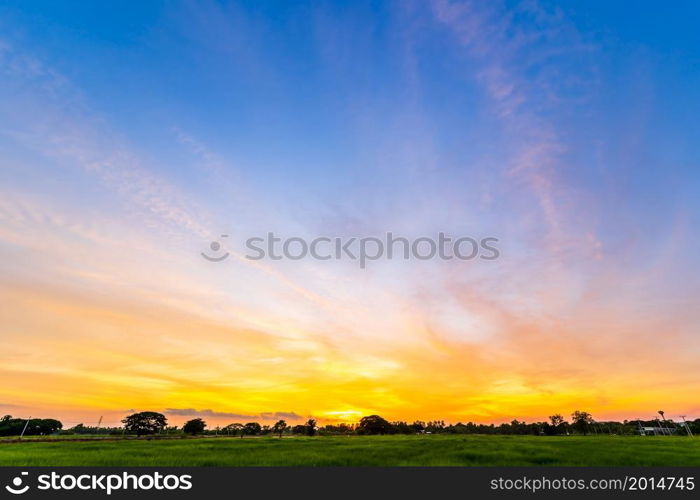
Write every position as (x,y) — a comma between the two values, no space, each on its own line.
(361,451)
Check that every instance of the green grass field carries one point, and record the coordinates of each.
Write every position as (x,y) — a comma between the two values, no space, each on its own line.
(361,451)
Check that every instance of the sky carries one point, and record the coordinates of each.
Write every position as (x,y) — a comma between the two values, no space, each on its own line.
(132,135)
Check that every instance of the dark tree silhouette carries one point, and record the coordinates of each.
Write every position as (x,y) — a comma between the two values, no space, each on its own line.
(194,426)
(279,427)
(252,428)
(310,427)
(558,424)
(581,421)
(37,426)
(374,424)
(235,428)
(145,422)
(556,419)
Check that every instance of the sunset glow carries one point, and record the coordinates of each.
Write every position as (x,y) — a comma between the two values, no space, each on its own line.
(133,137)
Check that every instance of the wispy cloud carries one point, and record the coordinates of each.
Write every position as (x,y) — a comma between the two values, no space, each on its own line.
(191,412)
(63,127)
(446,116)
(520,66)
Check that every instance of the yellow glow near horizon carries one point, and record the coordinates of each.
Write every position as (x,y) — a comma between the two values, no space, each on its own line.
(77,358)
(470,126)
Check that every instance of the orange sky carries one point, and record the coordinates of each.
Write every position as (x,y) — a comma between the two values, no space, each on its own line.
(125,152)
(78,356)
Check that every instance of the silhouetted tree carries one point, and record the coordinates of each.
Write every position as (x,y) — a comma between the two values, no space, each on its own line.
(401,427)
(37,426)
(581,421)
(252,428)
(279,427)
(194,426)
(556,419)
(418,426)
(145,422)
(310,427)
(234,428)
(557,423)
(46,426)
(374,424)
(435,426)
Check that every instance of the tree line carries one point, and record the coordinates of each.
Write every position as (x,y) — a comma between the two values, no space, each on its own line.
(149,423)
(34,427)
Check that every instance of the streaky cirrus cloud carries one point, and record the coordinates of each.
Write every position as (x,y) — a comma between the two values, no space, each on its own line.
(191,412)
(126,152)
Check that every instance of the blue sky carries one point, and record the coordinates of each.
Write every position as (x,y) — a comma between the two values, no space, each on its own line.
(133,134)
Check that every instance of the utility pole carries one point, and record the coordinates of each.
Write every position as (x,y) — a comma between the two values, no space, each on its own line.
(660,425)
(687,428)
(25,427)
(663,423)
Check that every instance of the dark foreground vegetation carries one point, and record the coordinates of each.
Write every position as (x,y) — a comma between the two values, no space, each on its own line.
(150,423)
